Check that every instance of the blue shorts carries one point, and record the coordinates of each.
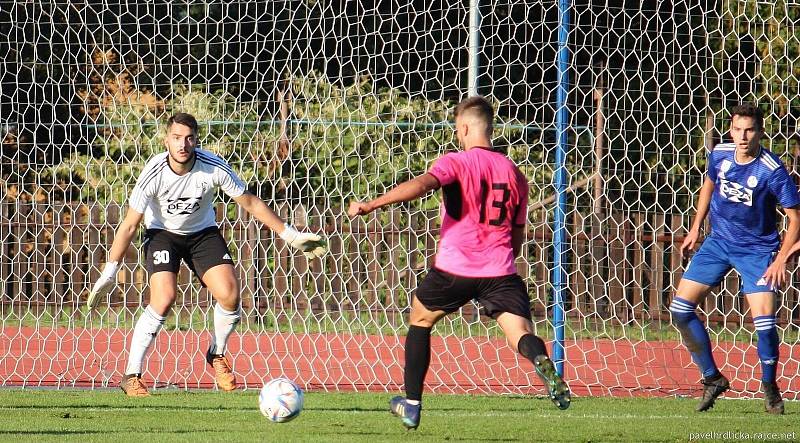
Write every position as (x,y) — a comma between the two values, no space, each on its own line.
(716,257)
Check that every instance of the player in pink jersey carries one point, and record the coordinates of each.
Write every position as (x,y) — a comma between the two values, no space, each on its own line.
(483,225)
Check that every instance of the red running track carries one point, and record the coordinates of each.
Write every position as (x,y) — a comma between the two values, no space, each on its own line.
(96,358)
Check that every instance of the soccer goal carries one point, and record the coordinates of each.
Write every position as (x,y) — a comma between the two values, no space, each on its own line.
(315,103)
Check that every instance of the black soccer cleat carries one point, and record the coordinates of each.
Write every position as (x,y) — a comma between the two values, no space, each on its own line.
(773,403)
(712,389)
(556,388)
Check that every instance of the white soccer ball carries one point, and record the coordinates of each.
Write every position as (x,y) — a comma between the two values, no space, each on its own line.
(280,400)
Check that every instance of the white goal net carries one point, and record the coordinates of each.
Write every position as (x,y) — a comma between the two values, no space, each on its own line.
(316,103)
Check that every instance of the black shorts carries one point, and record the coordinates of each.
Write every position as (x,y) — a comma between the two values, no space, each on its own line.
(441,291)
(201,251)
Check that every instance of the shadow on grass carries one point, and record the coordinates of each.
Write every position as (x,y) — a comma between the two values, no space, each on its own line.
(380,409)
(101,432)
(338,435)
(131,407)
(145,406)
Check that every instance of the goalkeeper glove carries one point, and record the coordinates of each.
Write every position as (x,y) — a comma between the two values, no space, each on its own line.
(311,245)
(104,284)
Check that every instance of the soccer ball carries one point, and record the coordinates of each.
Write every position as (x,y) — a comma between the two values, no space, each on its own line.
(280,400)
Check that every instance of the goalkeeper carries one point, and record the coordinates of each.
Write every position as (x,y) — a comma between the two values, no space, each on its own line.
(483,225)
(175,195)
(743,185)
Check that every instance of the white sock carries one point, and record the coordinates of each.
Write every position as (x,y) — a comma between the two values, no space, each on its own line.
(143,335)
(224,324)
(412,402)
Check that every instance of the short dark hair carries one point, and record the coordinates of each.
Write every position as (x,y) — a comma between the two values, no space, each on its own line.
(185,120)
(749,110)
(478,106)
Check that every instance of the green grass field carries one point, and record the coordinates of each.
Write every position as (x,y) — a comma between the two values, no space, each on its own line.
(94,416)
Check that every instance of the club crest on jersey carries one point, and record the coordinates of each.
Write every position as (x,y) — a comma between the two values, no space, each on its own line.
(735,192)
(183,205)
(724,167)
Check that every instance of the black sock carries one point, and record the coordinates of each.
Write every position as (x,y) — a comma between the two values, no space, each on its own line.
(418,358)
(531,346)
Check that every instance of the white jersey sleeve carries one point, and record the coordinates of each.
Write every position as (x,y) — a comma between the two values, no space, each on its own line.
(147,184)
(223,175)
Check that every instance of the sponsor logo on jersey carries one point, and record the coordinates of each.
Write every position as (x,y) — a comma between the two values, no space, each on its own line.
(183,205)
(735,192)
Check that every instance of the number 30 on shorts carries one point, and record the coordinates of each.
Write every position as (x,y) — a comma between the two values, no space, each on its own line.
(160,257)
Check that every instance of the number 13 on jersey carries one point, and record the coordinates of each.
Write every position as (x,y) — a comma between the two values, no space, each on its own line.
(499,194)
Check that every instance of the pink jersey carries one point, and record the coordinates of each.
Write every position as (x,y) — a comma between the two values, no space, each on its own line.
(484,194)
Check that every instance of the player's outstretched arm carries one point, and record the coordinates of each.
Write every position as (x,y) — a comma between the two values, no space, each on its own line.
(122,239)
(406,191)
(703,203)
(775,275)
(311,245)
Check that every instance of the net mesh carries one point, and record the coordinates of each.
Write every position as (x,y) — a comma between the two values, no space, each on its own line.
(316,103)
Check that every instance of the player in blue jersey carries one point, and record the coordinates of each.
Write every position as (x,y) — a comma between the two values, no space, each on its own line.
(743,186)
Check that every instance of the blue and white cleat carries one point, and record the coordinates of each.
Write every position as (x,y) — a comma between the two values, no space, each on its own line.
(408,413)
(556,388)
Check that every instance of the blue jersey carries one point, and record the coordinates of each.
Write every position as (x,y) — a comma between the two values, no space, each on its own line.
(743,206)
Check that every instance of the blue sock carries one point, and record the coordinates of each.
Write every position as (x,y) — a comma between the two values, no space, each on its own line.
(694,335)
(767,346)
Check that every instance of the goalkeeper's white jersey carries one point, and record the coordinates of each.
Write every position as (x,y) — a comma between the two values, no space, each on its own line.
(183,204)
